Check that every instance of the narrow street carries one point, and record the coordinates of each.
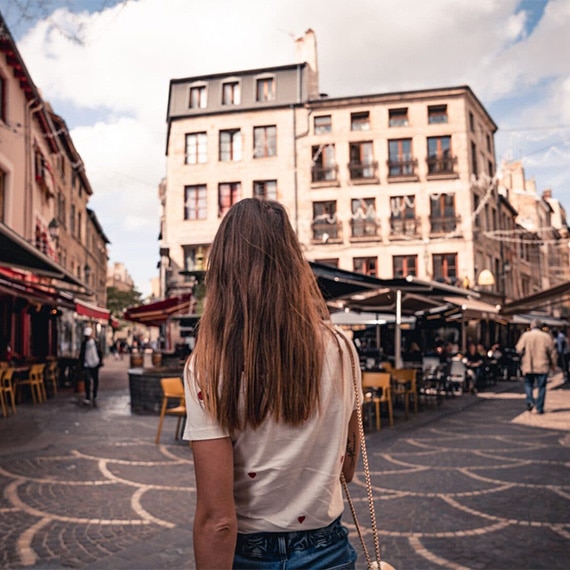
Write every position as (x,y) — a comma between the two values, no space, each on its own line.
(474,483)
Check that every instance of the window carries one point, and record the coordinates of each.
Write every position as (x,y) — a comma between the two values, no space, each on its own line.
(490,169)
(361,163)
(331,262)
(477,218)
(489,145)
(266,189)
(400,162)
(231,93)
(195,202)
(437,114)
(325,225)
(196,148)
(471,122)
(39,166)
(2,99)
(265,89)
(193,258)
(264,141)
(322,124)
(439,157)
(228,194)
(79,225)
(474,165)
(324,167)
(403,215)
(360,121)
(442,213)
(2,196)
(72,219)
(363,221)
(365,265)
(230,145)
(404,265)
(445,267)
(398,117)
(198,98)
(61,209)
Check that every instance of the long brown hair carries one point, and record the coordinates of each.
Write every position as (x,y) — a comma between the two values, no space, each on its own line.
(259,347)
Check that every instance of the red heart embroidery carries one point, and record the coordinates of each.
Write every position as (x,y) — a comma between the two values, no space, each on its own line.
(301,519)
(200,397)
(252,474)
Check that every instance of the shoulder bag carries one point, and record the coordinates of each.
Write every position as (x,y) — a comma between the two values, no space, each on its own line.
(378,563)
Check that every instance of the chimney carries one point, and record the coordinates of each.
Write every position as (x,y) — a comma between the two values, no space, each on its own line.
(547,194)
(306,52)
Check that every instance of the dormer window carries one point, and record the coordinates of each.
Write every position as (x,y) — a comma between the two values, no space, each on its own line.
(231,93)
(437,114)
(265,89)
(198,97)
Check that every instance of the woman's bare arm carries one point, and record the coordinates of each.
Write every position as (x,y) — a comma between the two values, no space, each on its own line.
(352,448)
(215,523)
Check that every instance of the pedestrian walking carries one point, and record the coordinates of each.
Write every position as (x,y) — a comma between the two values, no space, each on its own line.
(90,360)
(539,356)
(270,404)
(563,352)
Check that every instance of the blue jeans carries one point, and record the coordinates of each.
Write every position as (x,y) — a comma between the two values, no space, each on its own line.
(529,380)
(316,549)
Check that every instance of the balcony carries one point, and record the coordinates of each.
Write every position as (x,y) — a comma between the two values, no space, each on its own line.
(408,228)
(362,228)
(324,173)
(444,225)
(441,167)
(363,171)
(402,170)
(325,230)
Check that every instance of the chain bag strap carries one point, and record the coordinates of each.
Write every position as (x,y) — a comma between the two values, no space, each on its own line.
(378,563)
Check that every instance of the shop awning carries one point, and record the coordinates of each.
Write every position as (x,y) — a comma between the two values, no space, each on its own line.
(16,252)
(473,308)
(559,294)
(158,312)
(33,292)
(526,318)
(91,311)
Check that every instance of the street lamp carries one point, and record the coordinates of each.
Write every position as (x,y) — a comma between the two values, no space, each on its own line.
(53,229)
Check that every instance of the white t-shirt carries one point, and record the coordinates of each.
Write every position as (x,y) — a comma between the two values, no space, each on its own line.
(287,478)
(91,354)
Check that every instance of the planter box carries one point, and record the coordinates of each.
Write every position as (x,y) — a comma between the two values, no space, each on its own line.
(145,388)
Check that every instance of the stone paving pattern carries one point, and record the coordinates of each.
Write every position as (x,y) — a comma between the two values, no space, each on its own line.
(475,483)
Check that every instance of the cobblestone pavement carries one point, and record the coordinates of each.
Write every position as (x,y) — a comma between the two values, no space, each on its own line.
(475,483)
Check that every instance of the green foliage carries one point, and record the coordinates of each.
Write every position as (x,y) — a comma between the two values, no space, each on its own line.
(118,301)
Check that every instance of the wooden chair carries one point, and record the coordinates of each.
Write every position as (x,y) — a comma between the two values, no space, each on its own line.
(50,375)
(172,389)
(7,389)
(35,381)
(378,390)
(405,385)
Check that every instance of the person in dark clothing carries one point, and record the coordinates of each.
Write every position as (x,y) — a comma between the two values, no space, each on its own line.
(474,362)
(90,360)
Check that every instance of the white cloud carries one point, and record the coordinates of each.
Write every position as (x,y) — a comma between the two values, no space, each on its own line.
(129,53)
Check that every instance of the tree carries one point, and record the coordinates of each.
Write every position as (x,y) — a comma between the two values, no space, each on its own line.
(118,301)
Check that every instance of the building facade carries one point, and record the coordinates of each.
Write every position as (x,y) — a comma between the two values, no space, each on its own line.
(53,251)
(389,184)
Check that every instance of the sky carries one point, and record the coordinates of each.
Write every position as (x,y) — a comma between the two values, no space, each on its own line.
(105,67)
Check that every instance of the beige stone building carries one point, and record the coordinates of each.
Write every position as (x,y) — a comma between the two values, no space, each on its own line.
(53,256)
(389,185)
(119,277)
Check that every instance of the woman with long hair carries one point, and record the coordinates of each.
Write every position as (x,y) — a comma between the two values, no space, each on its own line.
(270,404)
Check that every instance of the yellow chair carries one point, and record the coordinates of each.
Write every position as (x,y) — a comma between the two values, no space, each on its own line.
(51,374)
(378,390)
(405,386)
(35,381)
(172,389)
(7,389)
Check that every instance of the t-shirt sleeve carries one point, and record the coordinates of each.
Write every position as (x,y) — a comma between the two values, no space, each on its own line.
(200,424)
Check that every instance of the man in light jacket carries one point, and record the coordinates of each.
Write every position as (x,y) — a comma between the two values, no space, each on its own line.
(539,356)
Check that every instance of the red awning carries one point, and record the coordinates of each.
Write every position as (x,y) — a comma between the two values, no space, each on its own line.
(92,311)
(155,314)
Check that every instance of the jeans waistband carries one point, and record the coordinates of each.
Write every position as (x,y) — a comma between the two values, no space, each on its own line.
(258,543)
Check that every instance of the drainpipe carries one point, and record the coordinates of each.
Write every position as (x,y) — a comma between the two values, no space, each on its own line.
(29,168)
(296,137)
